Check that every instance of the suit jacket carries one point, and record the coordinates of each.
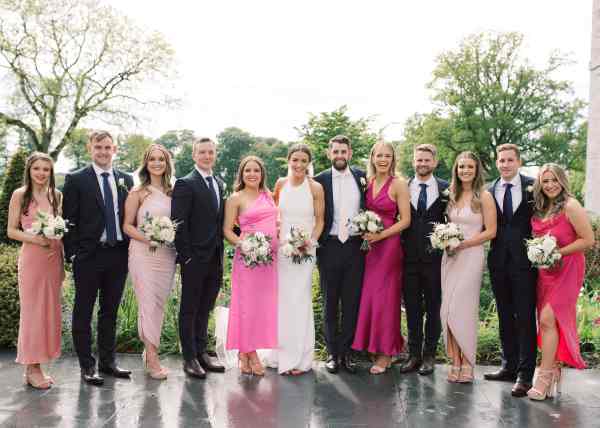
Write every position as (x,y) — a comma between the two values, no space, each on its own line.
(509,244)
(83,208)
(326,180)
(200,229)
(415,238)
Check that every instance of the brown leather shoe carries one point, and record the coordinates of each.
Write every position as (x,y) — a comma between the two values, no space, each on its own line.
(194,369)
(411,365)
(520,388)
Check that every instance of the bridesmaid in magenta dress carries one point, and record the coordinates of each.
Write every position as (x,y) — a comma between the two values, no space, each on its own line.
(378,326)
(151,272)
(252,321)
(559,214)
(40,270)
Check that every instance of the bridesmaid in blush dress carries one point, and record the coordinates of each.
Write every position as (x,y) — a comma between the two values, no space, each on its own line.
(378,326)
(474,210)
(252,320)
(40,270)
(559,214)
(151,272)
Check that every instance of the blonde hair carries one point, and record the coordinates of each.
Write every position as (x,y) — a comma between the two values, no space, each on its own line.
(144,174)
(508,146)
(456,188)
(371,170)
(429,148)
(543,205)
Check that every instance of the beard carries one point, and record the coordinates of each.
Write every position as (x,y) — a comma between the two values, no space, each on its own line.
(339,164)
(423,171)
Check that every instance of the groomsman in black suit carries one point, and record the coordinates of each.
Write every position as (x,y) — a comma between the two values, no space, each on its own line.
(339,257)
(422,266)
(197,206)
(513,278)
(93,205)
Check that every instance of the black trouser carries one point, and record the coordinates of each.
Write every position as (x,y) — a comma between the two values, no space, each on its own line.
(341,268)
(515,293)
(422,294)
(102,273)
(200,285)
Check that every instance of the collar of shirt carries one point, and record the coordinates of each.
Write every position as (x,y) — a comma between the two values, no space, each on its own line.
(430,182)
(516,181)
(99,171)
(202,173)
(335,173)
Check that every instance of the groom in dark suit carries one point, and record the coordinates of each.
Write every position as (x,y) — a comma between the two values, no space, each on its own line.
(339,257)
(94,199)
(513,278)
(197,206)
(422,266)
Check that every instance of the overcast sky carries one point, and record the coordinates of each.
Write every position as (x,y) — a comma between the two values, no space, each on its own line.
(264,65)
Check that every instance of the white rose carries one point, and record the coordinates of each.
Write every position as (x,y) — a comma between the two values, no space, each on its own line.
(48,232)
(372,227)
(453,243)
(287,250)
(246,247)
(166,235)
(531,254)
(435,242)
(548,245)
(36,227)
(165,221)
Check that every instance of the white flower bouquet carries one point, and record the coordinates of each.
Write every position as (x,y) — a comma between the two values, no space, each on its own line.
(159,230)
(299,246)
(446,237)
(255,249)
(48,225)
(365,222)
(542,251)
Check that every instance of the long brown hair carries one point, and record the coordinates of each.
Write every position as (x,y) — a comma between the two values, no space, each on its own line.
(371,170)
(543,205)
(51,194)
(144,174)
(456,187)
(239,179)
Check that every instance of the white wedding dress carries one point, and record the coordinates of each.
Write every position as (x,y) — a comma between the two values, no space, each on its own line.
(296,326)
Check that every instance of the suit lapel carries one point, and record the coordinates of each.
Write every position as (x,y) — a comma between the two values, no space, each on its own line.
(524,201)
(93,183)
(121,193)
(361,191)
(329,191)
(204,188)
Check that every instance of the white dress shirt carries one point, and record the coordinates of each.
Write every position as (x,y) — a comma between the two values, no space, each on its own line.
(515,191)
(115,194)
(432,191)
(345,191)
(214,187)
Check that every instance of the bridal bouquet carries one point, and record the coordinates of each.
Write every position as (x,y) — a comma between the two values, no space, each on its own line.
(365,222)
(255,250)
(159,230)
(446,237)
(49,226)
(542,251)
(298,245)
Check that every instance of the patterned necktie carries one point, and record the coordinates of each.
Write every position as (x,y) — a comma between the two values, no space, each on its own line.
(422,202)
(209,180)
(109,211)
(507,205)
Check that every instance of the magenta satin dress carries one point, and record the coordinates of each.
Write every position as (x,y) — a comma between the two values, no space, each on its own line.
(252,321)
(378,326)
(40,279)
(152,273)
(559,287)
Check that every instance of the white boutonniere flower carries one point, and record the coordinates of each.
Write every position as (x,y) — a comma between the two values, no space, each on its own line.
(363,183)
(121,184)
(446,192)
(529,188)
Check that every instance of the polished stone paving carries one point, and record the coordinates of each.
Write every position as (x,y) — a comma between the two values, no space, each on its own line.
(318,399)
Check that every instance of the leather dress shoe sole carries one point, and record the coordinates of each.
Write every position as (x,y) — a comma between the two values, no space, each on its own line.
(122,374)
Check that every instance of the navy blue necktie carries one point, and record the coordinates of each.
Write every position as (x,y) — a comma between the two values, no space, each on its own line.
(209,180)
(507,206)
(109,211)
(422,202)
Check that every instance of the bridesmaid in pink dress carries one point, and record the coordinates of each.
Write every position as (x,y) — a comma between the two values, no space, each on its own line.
(378,326)
(252,321)
(152,272)
(40,270)
(559,214)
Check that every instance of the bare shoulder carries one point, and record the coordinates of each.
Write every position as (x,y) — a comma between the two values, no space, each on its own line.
(399,182)
(234,199)
(572,207)
(486,197)
(315,186)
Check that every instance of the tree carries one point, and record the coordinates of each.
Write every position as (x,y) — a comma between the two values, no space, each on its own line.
(232,145)
(131,151)
(76,150)
(3,149)
(493,96)
(174,140)
(69,59)
(592,194)
(12,181)
(322,127)
(183,160)
(273,152)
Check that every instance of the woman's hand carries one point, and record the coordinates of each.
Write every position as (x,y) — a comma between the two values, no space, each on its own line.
(371,238)
(40,240)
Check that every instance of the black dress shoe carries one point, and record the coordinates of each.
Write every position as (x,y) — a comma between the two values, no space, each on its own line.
(502,375)
(411,365)
(520,388)
(194,369)
(114,370)
(90,376)
(349,365)
(207,364)
(427,366)
(332,365)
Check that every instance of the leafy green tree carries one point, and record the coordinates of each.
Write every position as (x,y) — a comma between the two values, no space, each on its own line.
(319,129)
(12,181)
(175,139)
(67,59)
(491,95)
(183,160)
(131,151)
(232,145)
(273,152)
(76,150)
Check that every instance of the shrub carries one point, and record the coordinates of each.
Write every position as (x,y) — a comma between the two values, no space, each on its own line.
(12,181)
(592,259)
(9,296)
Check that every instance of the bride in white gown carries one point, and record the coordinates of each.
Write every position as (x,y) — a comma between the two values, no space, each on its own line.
(301,204)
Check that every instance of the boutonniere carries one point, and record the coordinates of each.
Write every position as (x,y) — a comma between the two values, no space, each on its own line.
(529,188)
(121,184)
(445,196)
(363,183)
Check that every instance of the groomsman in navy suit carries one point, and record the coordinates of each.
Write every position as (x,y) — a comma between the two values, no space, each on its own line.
(513,278)
(422,291)
(339,257)
(94,199)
